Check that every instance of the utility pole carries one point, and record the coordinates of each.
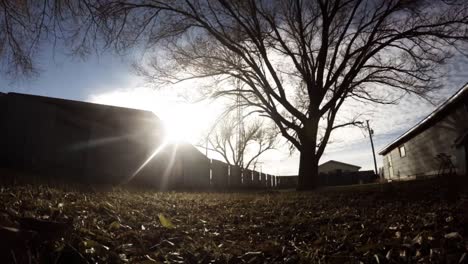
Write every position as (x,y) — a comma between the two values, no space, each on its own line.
(371,132)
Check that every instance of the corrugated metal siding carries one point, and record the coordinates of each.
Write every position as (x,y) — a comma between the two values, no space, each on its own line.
(46,137)
(26,133)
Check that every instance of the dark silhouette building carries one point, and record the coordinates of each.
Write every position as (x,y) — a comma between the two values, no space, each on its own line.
(72,141)
(75,140)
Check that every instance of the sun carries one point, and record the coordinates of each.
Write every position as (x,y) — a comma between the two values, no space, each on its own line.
(183,121)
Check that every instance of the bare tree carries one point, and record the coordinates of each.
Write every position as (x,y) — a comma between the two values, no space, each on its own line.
(299,60)
(242,145)
(28,27)
(21,31)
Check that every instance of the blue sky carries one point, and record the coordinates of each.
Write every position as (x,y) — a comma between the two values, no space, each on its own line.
(74,78)
(109,79)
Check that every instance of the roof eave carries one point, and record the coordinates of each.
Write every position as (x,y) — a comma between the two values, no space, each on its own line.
(408,134)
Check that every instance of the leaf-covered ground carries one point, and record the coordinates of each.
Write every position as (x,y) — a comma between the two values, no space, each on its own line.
(392,223)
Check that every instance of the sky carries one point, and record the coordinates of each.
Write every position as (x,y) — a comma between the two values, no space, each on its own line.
(109,79)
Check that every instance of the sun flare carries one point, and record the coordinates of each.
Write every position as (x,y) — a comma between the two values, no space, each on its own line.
(187,122)
(183,121)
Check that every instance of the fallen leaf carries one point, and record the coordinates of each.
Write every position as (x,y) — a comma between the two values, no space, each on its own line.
(114,225)
(462,258)
(165,222)
(452,235)
(376,258)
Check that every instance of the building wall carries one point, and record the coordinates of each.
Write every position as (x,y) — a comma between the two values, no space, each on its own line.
(65,141)
(196,167)
(462,157)
(72,145)
(27,134)
(164,170)
(422,149)
(335,166)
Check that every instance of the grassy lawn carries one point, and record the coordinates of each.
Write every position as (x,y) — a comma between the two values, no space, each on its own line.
(394,223)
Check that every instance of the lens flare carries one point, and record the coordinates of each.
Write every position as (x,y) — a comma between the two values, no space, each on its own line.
(155,152)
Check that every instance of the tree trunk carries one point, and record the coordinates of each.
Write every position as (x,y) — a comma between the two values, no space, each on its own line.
(308,170)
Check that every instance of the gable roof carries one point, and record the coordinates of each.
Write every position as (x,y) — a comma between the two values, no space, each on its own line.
(81,104)
(440,112)
(104,113)
(341,163)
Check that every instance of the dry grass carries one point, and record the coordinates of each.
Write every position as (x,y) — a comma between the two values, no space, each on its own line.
(393,223)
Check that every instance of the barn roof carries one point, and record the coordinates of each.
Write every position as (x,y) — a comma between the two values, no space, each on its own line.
(81,104)
(99,112)
(440,112)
